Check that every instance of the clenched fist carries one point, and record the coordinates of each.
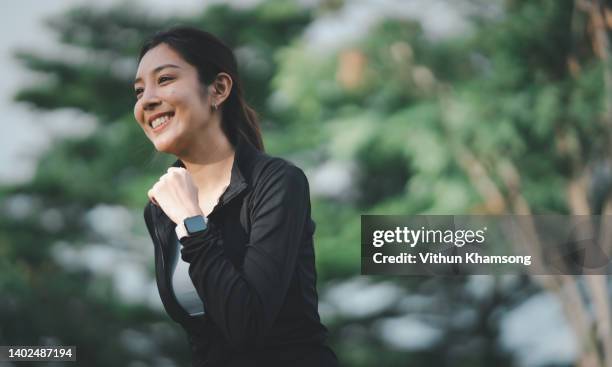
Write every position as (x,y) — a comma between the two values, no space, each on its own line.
(176,194)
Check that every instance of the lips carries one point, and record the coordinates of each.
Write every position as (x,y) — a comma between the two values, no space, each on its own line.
(159,120)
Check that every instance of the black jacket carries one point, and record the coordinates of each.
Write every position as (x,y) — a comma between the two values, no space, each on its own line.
(254,267)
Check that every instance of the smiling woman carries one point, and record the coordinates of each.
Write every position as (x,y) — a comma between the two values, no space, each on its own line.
(231,225)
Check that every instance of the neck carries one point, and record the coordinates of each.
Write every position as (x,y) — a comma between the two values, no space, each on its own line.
(210,162)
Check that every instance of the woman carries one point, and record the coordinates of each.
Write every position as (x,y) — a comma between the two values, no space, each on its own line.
(231,225)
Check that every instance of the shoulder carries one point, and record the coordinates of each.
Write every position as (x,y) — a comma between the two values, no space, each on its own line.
(276,167)
(279,172)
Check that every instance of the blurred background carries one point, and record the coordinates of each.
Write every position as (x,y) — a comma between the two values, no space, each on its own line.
(389,106)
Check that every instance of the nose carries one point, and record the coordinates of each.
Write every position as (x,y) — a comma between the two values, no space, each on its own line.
(150,100)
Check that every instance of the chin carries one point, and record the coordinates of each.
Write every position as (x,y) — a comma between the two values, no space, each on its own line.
(171,140)
(169,146)
(162,145)
(165,148)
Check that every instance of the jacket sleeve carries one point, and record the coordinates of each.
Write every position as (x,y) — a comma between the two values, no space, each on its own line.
(148,220)
(244,303)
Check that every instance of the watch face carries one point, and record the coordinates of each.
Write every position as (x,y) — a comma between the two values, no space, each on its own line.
(195,224)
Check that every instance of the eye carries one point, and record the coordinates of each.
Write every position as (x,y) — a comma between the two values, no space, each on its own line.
(138,92)
(164,78)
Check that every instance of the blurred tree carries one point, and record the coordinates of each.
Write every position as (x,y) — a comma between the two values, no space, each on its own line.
(512,117)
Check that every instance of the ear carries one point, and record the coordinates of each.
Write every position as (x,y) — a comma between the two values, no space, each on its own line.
(221,88)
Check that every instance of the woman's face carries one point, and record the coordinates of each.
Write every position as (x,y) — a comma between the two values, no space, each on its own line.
(171,106)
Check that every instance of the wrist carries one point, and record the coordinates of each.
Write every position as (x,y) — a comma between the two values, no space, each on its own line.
(180,230)
(191,213)
(191,225)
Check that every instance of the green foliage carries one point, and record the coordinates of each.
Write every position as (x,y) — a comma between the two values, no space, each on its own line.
(406,110)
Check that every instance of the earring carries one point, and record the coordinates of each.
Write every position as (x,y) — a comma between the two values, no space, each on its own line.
(214,106)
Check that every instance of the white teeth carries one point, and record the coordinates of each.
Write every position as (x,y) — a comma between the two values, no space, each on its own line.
(160,120)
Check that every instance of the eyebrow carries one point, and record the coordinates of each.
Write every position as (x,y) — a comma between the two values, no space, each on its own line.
(157,70)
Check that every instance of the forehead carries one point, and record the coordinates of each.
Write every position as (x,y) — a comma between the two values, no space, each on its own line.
(159,55)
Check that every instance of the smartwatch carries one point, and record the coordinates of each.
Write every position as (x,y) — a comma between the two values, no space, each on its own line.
(191,225)
(195,224)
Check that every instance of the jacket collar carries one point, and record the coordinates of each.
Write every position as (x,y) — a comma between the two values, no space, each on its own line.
(242,169)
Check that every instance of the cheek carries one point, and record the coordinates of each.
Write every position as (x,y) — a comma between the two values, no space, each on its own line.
(174,96)
(180,100)
(138,113)
(187,95)
(197,103)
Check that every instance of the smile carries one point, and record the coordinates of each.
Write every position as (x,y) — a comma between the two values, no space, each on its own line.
(160,121)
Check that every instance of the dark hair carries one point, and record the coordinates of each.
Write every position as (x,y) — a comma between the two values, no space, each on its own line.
(210,56)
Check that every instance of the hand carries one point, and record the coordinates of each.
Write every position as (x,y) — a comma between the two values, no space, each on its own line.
(176,194)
